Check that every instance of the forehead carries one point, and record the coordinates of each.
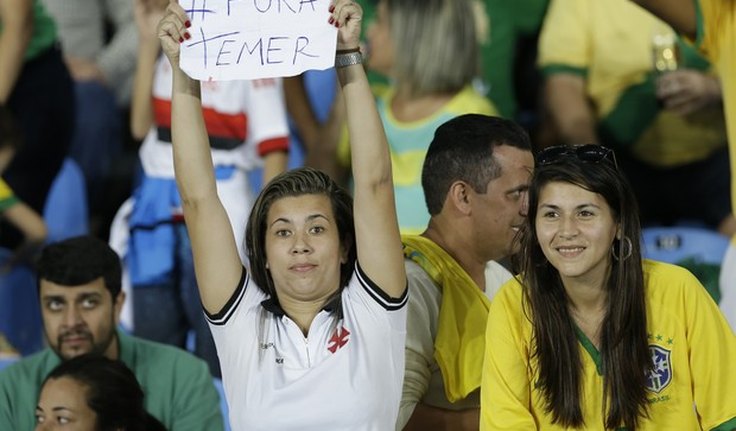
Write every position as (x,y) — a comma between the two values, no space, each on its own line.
(510,158)
(294,208)
(516,165)
(64,392)
(566,194)
(49,288)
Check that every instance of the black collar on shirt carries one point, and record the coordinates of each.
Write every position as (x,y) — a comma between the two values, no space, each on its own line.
(272,305)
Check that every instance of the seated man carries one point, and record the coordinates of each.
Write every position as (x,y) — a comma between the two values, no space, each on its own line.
(475,177)
(79,290)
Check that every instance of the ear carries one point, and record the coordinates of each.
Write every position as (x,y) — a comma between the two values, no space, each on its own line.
(619,234)
(459,197)
(117,306)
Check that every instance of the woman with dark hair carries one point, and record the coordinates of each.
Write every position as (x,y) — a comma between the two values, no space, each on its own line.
(93,393)
(312,336)
(589,335)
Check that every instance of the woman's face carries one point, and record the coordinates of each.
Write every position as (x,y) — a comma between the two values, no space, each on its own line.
(575,228)
(303,248)
(62,405)
(381,58)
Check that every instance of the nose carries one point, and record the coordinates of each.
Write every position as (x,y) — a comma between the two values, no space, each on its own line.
(72,317)
(301,244)
(568,228)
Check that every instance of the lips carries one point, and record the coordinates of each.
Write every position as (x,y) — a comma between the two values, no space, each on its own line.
(76,338)
(302,267)
(570,251)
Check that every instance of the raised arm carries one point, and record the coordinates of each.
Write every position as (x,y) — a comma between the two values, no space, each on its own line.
(147,15)
(376,228)
(216,261)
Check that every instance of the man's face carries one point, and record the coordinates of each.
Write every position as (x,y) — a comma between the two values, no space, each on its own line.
(501,210)
(80,319)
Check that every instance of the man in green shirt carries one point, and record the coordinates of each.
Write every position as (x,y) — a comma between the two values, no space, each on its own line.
(80,297)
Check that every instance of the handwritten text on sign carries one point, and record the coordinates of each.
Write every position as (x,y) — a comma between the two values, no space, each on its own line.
(252,39)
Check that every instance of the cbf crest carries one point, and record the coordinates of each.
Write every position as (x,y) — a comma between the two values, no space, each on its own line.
(661,374)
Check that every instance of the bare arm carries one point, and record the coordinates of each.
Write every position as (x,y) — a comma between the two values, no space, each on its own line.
(16,20)
(297,104)
(274,163)
(147,16)
(28,221)
(376,228)
(680,14)
(568,106)
(216,261)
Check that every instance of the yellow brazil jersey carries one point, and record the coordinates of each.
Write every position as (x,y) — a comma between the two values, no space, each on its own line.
(609,44)
(717,38)
(692,347)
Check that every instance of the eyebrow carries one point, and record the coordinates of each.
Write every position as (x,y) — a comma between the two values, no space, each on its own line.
(309,219)
(553,206)
(81,296)
(57,409)
(521,188)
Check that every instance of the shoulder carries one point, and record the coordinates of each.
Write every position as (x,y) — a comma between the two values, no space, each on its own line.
(468,100)
(30,370)
(417,277)
(143,356)
(661,275)
(671,288)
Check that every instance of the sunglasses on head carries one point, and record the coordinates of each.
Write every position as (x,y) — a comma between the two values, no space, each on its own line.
(589,153)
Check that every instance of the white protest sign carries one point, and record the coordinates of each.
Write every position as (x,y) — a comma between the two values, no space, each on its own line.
(253,39)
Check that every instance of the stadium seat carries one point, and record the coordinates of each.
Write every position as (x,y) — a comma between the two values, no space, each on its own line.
(698,249)
(66,209)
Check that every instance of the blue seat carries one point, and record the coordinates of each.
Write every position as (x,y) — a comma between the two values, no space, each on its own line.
(223,402)
(701,250)
(66,210)
(676,243)
(20,314)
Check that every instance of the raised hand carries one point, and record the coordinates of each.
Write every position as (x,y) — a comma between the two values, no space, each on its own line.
(172,31)
(148,14)
(346,16)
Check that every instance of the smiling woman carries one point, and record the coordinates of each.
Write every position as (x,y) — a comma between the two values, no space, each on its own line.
(320,317)
(589,335)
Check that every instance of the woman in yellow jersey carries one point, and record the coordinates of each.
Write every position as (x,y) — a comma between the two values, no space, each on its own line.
(592,337)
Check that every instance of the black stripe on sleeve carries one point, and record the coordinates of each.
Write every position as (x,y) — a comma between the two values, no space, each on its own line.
(221,317)
(381,297)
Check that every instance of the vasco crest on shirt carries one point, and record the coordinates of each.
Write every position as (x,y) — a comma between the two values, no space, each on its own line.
(661,374)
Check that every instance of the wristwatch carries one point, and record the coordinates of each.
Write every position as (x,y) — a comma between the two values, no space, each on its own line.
(344,60)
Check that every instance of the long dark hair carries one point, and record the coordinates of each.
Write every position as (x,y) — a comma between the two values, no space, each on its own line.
(113,392)
(624,350)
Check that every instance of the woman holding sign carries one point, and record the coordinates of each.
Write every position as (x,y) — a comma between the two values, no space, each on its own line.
(312,336)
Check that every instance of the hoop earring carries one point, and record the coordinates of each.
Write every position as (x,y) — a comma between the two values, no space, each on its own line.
(624,242)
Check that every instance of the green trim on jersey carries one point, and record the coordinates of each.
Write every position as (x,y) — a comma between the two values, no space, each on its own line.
(638,107)
(553,69)
(729,425)
(595,355)
(44,32)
